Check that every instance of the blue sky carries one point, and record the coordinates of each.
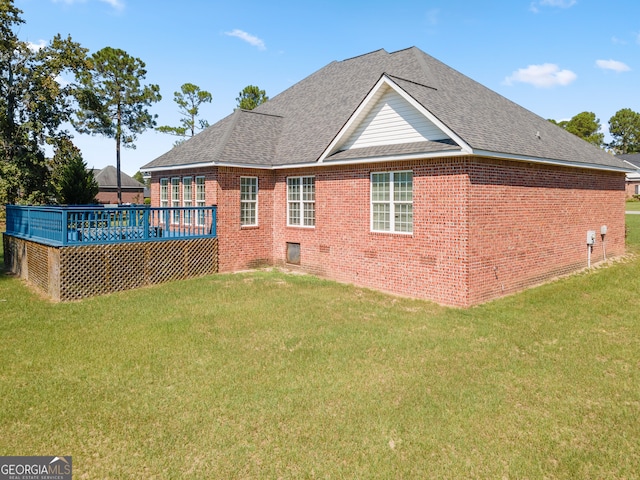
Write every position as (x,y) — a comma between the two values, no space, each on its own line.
(556,58)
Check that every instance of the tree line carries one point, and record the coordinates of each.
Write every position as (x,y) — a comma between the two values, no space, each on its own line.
(44,89)
(624,128)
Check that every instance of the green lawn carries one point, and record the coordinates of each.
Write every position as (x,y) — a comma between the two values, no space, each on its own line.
(633,206)
(267,375)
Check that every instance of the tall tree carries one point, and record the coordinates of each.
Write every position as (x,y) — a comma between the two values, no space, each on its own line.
(113,103)
(584,125)
(140,178)
(624,128)
(189,99)
(73,183)
(34,104)
(561,123)
(250,97)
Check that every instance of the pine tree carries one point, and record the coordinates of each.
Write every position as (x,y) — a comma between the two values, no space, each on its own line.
(113,103)
(73,183)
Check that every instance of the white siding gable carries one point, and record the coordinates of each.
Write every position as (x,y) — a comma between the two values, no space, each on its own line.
(391,120)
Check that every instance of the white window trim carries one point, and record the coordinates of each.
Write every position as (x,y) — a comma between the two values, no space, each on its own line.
(164,192)
(175,200)
(301,202)
(200,202)
(187,200)
(255,202)
(391,203)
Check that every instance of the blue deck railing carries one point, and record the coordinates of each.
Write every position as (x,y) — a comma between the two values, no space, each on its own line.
(61,225)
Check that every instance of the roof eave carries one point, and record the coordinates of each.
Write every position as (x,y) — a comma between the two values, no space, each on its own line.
(375,159)
(549,161)
(185,166)
(206,165)
(398,158)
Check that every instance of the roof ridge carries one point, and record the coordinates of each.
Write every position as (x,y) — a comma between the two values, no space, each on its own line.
(421,58)
(219,148)
(258,113)
(410,81)
(403,50)
(364,54)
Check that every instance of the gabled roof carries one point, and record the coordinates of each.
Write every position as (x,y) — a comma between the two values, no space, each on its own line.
(107,178)
(310,123)
(632,158)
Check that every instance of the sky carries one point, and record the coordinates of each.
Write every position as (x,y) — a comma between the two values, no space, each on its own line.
(556,58)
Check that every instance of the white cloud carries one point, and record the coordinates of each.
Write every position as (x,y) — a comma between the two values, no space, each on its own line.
(542,76)
(433,16)
(558,3)
(36,47)
(551,3)
(116,4)
(247,37)
(614,65)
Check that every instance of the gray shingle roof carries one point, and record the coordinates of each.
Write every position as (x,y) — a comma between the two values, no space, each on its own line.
(107,178)
(389,150)
(632,158)
(297,126)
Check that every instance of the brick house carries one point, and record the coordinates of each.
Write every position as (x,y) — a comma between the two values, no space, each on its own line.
(394,171)
(633,178)
(132,190)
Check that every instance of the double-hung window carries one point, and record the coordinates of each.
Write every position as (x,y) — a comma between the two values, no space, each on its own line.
(301,201)
(392,202)
(200,200)
(248,201)
(164,192)
(187,198)
(175,200)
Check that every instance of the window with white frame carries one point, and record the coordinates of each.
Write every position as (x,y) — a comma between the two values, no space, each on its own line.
(301,201)
(392,202)
(248,201)
(200,199)
(175,199)
(164,192)
(187,198)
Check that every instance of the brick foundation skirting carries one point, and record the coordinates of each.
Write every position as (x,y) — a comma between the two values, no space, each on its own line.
(73,273)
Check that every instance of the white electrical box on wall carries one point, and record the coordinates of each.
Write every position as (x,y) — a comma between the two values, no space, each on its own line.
(591,237)
(603,230)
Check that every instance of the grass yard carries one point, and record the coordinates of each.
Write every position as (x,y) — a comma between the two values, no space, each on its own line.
(267,375)
(633,205)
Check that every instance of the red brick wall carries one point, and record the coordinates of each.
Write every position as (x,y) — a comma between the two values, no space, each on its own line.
(111,196)
(342,246)
(528,223)
(244,247)
(482,228)
(631,188)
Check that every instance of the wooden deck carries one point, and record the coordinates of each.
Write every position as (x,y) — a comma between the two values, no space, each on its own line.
(62,226)
(71,253)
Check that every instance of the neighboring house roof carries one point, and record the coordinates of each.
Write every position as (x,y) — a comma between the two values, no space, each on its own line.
(332,116)
(107,178)
(633,160)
